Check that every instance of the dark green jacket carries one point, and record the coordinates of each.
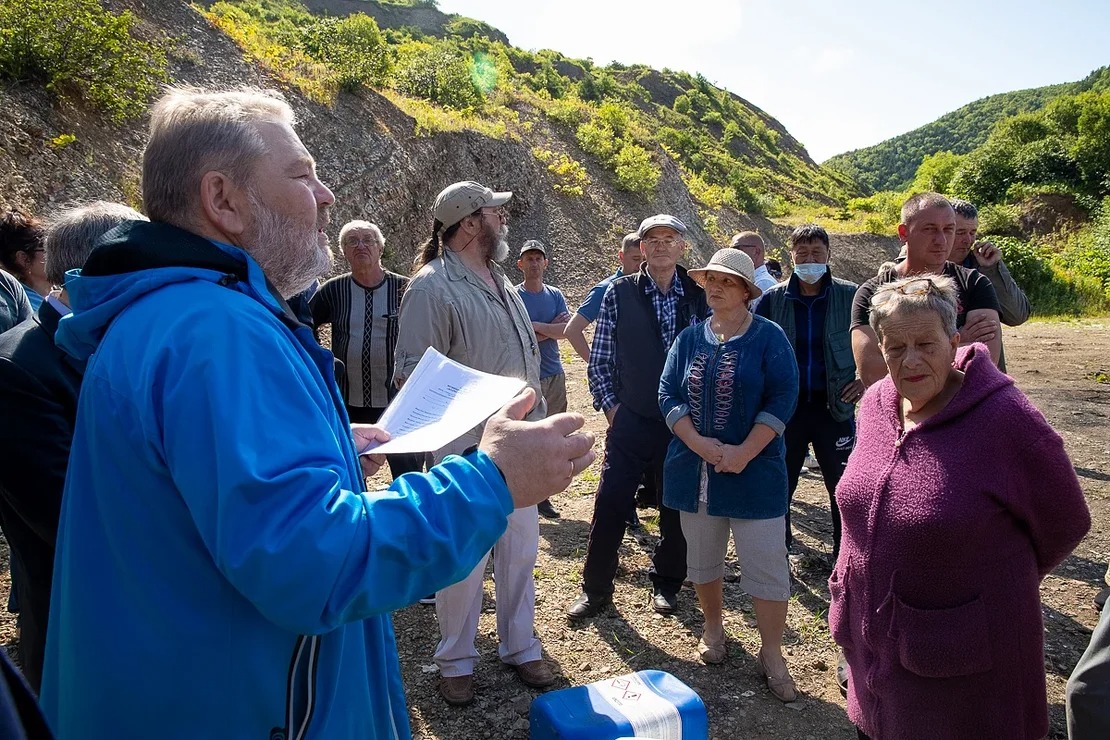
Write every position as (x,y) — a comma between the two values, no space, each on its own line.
(840,366)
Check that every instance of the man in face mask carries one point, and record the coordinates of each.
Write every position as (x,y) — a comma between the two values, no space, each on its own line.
(814,309)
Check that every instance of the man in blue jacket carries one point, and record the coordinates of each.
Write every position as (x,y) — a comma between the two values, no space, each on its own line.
(220,570)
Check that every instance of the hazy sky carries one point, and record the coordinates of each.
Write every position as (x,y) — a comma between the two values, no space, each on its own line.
(838,75)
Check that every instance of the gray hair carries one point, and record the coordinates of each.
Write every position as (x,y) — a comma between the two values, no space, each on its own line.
(194,131)
(921,293)
(72,232)
(364,225)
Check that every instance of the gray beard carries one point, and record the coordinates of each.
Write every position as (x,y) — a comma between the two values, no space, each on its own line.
(289,253)
(499,251)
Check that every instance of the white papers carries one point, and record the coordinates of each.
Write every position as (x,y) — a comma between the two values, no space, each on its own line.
(441,401)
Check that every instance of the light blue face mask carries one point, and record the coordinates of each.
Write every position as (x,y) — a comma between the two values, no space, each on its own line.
(811,272)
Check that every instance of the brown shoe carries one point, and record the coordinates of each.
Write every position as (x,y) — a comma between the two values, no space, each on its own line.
(535,673)
(458,691)
(781,686)
(711,652)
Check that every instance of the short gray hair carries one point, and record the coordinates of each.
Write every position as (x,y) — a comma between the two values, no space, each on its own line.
(72,232)
(360,225)
(194,131)
(921,293)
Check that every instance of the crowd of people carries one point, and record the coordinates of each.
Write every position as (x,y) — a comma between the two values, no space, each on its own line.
(195,553)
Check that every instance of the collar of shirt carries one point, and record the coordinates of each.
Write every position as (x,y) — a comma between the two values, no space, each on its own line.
(676,284)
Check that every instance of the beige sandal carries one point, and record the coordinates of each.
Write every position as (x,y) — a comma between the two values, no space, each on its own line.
(781,686)
(713,652)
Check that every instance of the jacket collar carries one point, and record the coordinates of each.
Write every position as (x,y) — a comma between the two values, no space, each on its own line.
(149,245)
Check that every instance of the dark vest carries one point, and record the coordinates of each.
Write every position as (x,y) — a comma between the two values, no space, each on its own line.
(640,352)
(840,366)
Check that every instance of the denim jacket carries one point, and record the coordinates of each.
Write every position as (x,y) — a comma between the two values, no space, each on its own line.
(725,389)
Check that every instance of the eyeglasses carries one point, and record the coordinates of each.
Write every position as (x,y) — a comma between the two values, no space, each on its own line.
(668,242)
(361,241)
(918,286)
(499,211)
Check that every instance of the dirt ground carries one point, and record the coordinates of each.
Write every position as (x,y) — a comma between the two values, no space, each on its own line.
(1063,366)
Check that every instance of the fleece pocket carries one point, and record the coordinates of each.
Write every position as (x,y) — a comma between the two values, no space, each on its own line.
(943,643)
(838,608)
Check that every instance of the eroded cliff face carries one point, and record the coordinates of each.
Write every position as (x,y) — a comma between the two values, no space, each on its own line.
(367,151)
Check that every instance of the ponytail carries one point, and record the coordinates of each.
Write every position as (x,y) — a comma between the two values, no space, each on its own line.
(432,248)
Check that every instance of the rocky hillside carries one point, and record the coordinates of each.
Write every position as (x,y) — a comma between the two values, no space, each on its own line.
(373,156)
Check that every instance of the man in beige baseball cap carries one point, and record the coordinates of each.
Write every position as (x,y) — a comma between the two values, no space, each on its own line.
(456,202)
(461,303)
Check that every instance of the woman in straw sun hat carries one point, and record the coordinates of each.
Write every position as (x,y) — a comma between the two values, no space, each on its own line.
(728,389)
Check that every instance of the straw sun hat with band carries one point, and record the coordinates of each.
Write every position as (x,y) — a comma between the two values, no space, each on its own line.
(733,262)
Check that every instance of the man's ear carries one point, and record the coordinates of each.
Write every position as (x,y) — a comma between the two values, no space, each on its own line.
(902,231)
(225,204)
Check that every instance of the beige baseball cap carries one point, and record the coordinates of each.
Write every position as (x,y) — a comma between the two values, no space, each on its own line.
(456,202)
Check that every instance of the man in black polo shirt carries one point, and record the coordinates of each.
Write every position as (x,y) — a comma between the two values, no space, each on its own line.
(928,231)
(641,314)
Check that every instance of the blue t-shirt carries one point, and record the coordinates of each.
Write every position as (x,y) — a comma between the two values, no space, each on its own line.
(544,307)
(591,307)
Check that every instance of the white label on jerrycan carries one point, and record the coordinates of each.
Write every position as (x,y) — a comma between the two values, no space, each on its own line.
(649,713)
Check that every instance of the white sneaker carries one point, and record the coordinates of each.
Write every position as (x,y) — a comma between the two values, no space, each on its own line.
(429,600)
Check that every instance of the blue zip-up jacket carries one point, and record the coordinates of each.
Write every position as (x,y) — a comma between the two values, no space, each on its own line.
(726,389)
(220,571)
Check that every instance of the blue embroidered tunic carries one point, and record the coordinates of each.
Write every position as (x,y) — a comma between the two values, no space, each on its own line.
(726,388)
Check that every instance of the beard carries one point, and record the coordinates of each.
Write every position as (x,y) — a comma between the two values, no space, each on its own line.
(496,243)
(289,252)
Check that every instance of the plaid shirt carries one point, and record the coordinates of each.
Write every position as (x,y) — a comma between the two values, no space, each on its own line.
(602,369)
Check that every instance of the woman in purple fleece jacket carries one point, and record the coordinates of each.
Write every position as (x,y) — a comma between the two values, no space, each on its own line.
(956,501)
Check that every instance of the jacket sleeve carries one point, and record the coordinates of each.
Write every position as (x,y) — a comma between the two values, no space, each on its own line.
(673,400)
(780,381)
(269,479)
(1013,306)
(423,321)
(34,450)
(1045,496)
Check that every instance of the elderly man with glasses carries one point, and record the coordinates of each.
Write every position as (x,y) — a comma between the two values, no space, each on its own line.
(361,306)
(641,314)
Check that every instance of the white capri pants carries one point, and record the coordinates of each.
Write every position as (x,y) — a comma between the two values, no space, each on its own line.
(760,548)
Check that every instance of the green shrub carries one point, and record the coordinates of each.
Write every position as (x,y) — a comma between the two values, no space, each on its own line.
(79,47)
(438,72)
(598,139)
(635,170)
(570,176)
(353,46)
(1053,288)
(266,30)
(1087,252)
(568,111)
(999,219)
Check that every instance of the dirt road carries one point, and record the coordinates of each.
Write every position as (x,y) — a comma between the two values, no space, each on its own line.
(1063,366)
